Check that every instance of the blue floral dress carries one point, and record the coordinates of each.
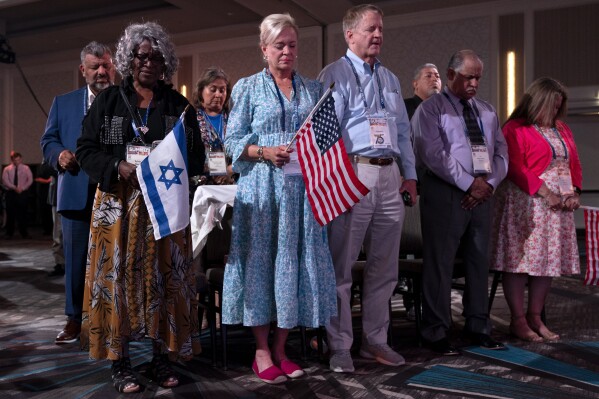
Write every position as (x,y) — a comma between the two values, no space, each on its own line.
(279,268)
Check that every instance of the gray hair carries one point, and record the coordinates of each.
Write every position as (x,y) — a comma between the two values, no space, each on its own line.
(272,26)
(133,36)
(421,67)
(96,49)
(456,62)
(354,15)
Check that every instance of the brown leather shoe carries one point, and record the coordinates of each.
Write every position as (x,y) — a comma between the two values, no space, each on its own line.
(70,333)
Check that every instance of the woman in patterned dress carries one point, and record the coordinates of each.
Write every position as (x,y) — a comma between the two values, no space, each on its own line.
(136,286)
(280,269)
(534,235)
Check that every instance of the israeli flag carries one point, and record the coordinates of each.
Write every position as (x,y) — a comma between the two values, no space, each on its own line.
(164,183)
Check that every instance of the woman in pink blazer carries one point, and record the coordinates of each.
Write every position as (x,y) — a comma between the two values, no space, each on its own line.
(534,236)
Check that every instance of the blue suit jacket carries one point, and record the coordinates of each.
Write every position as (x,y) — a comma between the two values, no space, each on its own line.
(62,131)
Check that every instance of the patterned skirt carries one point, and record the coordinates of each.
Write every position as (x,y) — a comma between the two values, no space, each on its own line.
(528,237)
(137,287)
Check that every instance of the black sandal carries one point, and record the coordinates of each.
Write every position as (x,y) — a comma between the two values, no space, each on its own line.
(162,372)
(123,378)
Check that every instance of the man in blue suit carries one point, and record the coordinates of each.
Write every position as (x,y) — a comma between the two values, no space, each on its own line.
(75,190)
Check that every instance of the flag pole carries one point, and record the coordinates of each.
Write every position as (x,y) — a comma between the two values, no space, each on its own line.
(322,98)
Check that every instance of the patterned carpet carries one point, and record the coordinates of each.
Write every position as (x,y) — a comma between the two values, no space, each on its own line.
(31,366)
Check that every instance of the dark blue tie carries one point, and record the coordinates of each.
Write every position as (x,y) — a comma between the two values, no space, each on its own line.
(474,133)
(15,180)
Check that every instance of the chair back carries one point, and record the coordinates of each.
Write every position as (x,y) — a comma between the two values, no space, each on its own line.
(411,233)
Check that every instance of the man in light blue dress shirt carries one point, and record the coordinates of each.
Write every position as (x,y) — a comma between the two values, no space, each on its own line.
(375,130)
(462,158)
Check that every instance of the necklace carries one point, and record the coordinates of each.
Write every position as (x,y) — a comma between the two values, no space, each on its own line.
(144,122)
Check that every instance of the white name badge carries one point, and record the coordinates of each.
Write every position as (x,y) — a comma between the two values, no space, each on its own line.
(379,132)
(566,187)
(292,168)
(480,159)
(137,153)
(217,163)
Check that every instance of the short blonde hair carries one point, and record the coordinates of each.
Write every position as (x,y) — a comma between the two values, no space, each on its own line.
(354,15)
(272,26)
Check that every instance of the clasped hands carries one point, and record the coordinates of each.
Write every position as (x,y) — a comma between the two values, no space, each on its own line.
(555,203)
(478,192)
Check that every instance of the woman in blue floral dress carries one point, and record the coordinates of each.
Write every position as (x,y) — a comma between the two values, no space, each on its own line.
(279,270)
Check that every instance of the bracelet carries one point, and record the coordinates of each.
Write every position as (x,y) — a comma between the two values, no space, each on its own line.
(577,191)
(260,154)
(116,167)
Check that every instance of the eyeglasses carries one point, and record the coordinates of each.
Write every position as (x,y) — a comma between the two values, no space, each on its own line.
(145,57)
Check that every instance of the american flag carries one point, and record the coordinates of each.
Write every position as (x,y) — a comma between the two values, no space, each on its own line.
(591,224)
(331,184)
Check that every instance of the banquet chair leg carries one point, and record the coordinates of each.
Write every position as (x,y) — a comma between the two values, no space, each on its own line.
(223,332)
(212,324)
(496,280)
(390,327)
(304,342)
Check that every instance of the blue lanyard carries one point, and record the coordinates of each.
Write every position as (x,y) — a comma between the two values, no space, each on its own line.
(282,103)
(475,108)
(559,136)
(216,132)
(378,79)
(144,122)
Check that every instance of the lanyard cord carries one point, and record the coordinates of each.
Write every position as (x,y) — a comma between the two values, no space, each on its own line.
(559,136)
(215,134)
(361,89)
(282,102)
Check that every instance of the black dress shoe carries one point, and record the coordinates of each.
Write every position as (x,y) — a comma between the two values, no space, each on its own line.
(444,347)
(486,342)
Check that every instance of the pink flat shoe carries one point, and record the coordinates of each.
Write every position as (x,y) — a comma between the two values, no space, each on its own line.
(272,375)
(291,369)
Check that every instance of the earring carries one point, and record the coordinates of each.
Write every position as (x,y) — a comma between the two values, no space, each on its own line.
(265,57)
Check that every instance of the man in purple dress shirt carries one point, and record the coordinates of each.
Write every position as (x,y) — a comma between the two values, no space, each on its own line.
(461,155)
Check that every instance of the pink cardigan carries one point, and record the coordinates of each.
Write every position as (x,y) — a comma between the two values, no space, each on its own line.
(530,154)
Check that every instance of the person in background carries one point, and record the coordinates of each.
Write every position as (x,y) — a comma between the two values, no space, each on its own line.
(75,191)
(43,178)
(137,287)
(47,175)
(57,247)
(211,100)
(375,130)
(426,83)
(16,179)
(279,270)
(462,157)
(534,235)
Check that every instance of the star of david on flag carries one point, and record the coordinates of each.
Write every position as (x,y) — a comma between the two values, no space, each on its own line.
(175,171)
(163,180)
